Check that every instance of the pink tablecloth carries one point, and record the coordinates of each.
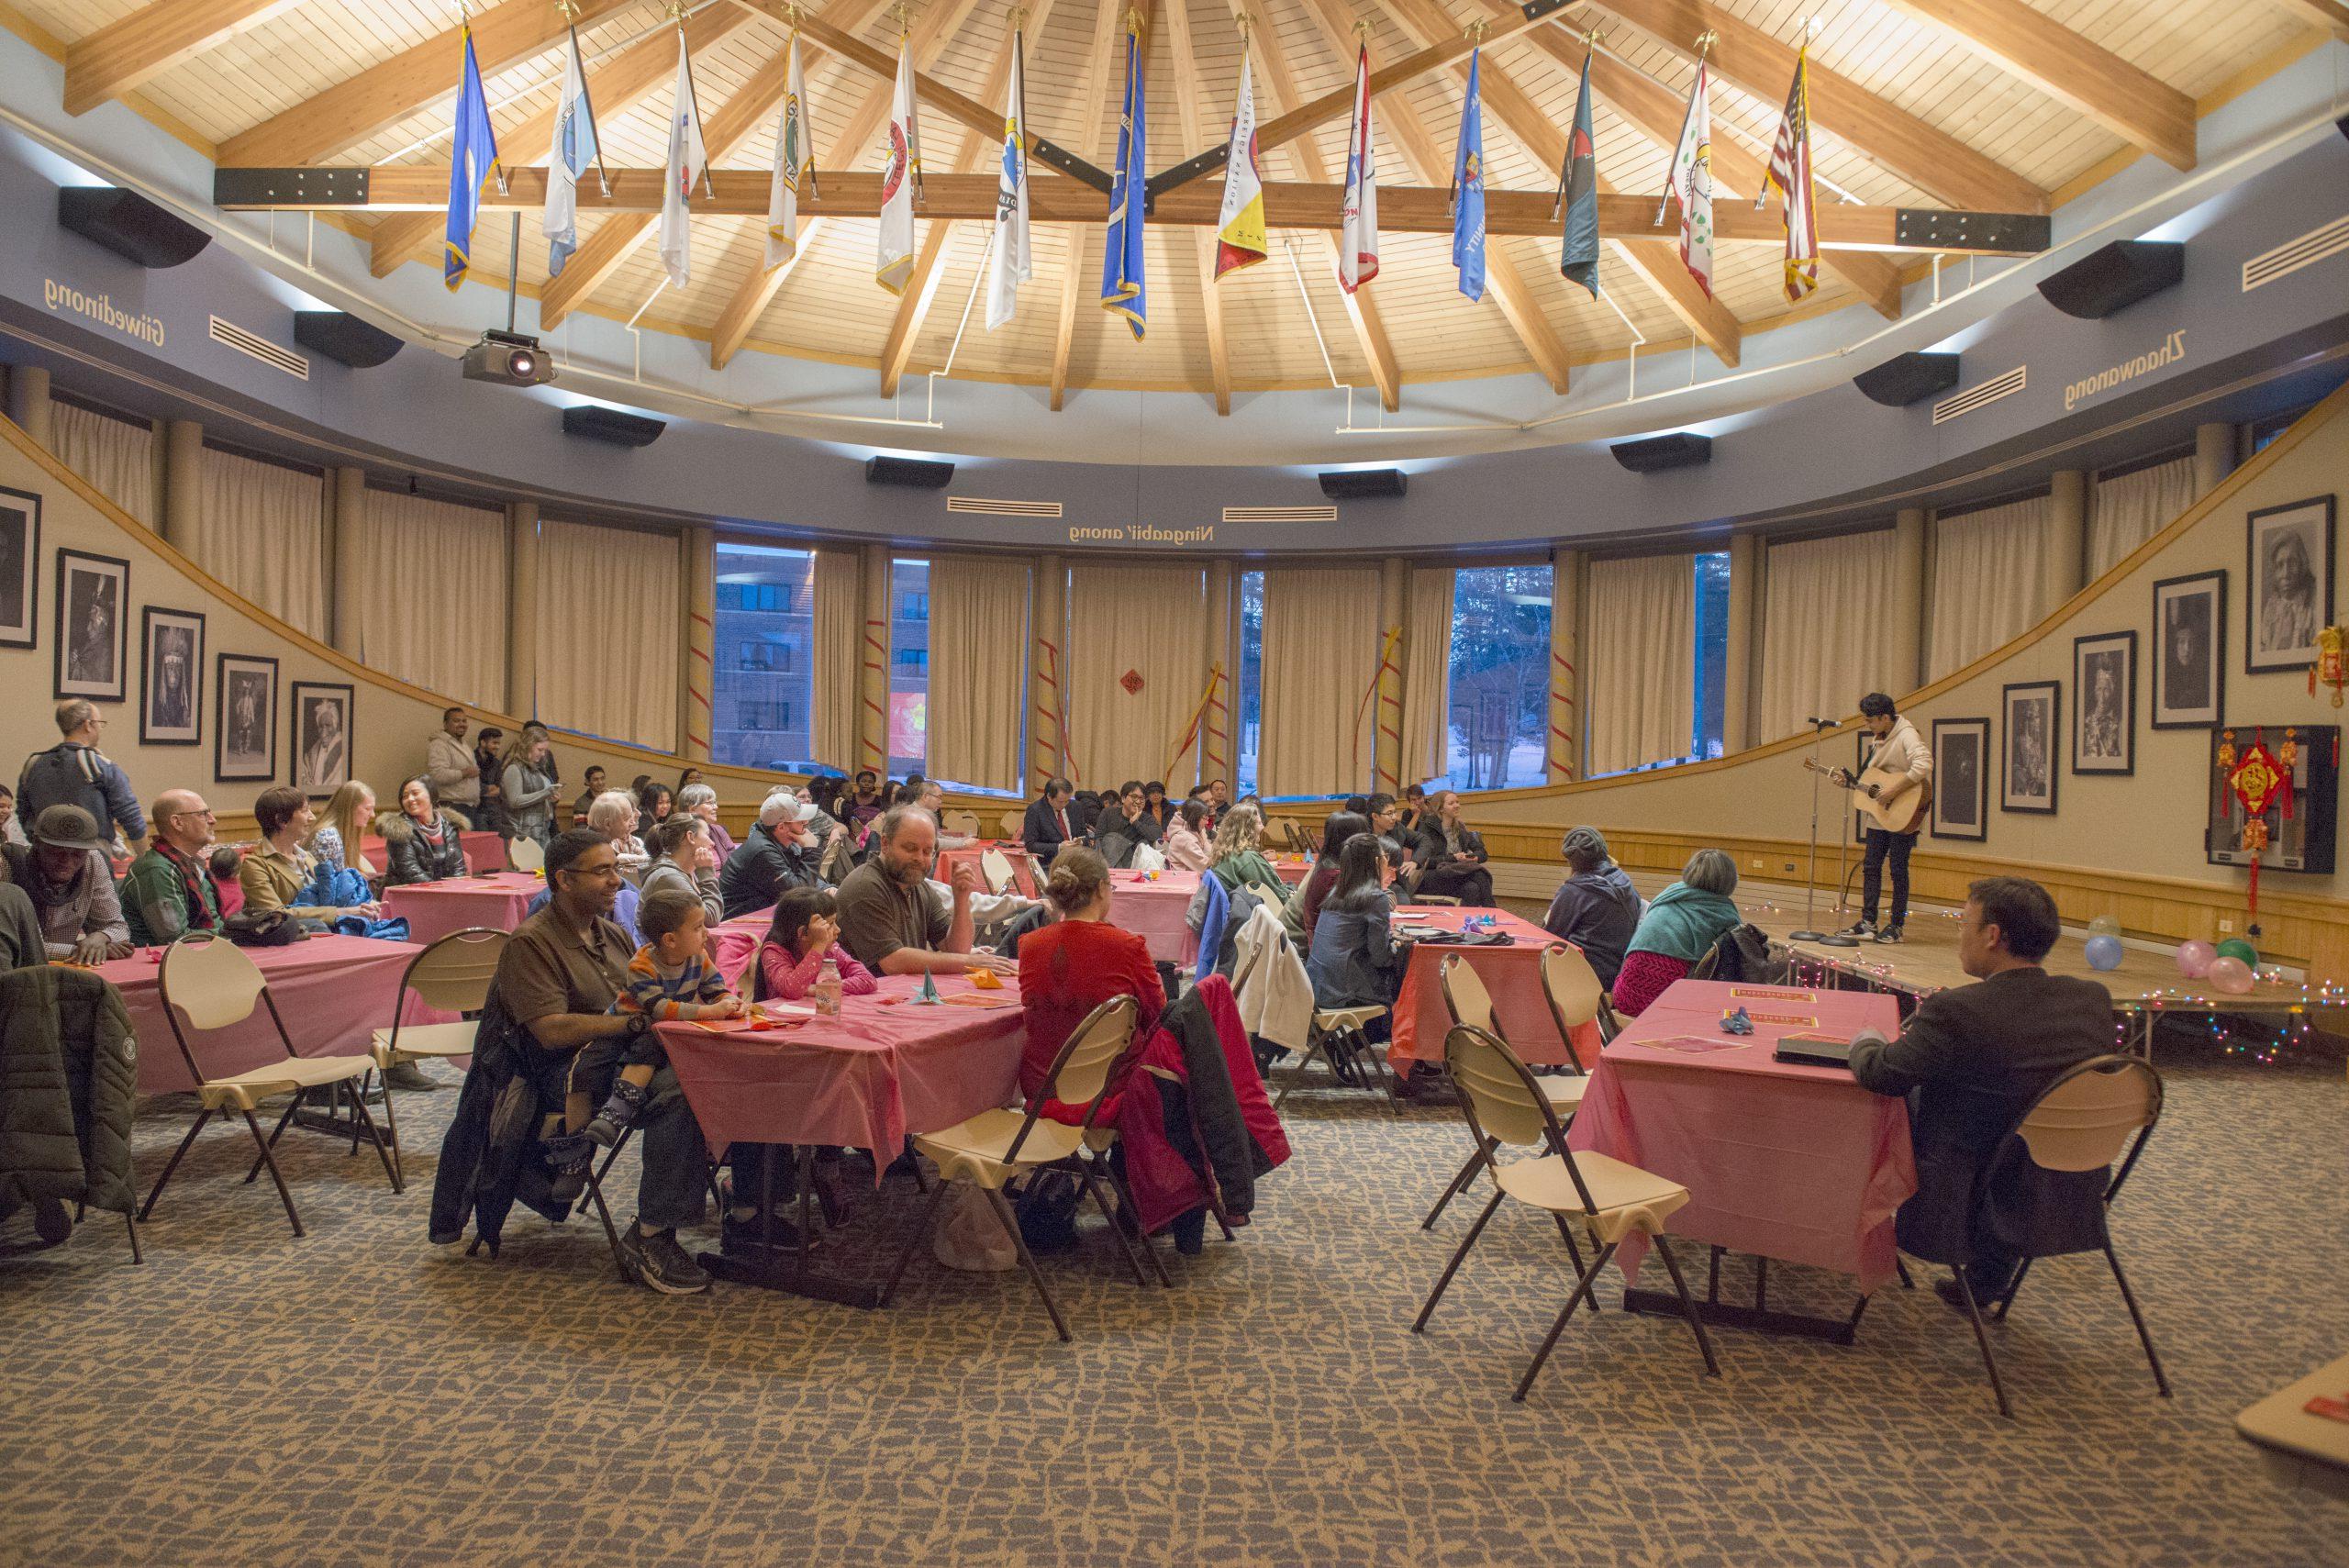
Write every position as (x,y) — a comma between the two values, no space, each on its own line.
(1780,1160)
(1023,874)
(1513,975)
(332,991)
(433,909)
(483,851)
(885,1067)
(738,942)
(1153,906)
(1291,869)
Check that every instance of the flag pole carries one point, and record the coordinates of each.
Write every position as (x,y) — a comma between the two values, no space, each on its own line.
(807,111)
(677,16)
(1475,31)
(913,116)
(1019,74)
(1558,200)
(570,9)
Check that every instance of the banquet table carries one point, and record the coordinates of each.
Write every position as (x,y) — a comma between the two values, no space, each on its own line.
(1023,874)
(1781,1160)
(1155,907)
(433,909)
(485,851)
(738,942)
(1291,869)
(333,992)
(1512,974)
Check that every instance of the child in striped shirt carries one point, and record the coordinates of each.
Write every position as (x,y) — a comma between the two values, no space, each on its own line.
(671,978)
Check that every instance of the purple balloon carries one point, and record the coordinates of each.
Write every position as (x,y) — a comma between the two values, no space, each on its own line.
(2104,952)
(2195,958)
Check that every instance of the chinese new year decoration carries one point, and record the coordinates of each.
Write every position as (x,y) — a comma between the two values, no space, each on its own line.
(2257,777)
(1131,681)
(2331,668)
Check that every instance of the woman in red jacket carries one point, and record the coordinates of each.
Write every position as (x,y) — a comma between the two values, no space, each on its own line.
(1074,966)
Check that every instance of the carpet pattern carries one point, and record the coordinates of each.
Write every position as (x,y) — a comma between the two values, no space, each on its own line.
(360,1397)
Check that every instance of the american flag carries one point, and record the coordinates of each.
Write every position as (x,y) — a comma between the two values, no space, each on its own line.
(1790,171)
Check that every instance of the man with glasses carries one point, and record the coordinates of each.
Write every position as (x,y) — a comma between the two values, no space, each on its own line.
(74,773)
(168,892)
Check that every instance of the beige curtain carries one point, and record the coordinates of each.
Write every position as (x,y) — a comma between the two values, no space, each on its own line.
(1321,643)
(2126,509)
(978,644)
(1151,621)
(262,530)
(1639,643)
(611,632)
(839,623)
(1823,627)
(115,456)
(432,595)
(1988,577)
(1426,675)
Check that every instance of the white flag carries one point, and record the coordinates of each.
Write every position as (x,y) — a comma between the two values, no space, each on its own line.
(1358,223)
(1692,183)
(794,160)
(1240,224)
(901,168)
(573,151)
(688,165)
(1013,263)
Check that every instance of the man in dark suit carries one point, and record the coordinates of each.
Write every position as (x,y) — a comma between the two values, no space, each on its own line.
(1972,1059)
(1047,825)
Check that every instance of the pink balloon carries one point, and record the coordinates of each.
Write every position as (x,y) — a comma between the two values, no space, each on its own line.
(2195,958)
(2231,975)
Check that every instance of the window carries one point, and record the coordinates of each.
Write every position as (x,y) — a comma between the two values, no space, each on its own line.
(914,606)
(1497,702)
(914,660)
(908,666)
(1251,679)
(1713,653)
(765,605)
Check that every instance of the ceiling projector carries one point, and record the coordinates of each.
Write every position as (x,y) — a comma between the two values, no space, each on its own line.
(509,359)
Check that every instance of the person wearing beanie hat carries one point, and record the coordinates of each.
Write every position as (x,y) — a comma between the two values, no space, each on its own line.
(1597,909)
(66,875)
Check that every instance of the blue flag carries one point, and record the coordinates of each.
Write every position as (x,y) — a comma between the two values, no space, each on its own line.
(471,158)
(1123,286)
(1468,191)
(1578,183)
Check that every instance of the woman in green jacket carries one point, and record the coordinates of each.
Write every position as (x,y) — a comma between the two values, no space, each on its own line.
(1239,861)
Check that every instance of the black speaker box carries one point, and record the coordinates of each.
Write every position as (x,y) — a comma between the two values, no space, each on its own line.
(600,424)
(1364,485)
(345,337)
(1911,378)
(129,225)
(908,470)
(2112,279)
(1680,450)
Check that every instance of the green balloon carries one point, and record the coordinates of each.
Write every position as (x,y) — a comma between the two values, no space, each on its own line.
(2236,947)
(2104,926)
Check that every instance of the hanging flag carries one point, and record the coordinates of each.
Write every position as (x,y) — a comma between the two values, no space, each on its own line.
(688,165)
(1358,219)
(1124,288)
(1692,184)
(1790,171)
(473,156)
(1579,184)
(1239,226)
(1012,263)
(1468,191)
(574,149)
(794,164)
(895,263)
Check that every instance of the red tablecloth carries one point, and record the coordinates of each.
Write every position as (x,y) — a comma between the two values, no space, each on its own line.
(1780,1160)
(885,1067)
(1152,904)
(485,851)
(433,909)
(1023,874)
(332,991)
(1513,975)
(1291,869)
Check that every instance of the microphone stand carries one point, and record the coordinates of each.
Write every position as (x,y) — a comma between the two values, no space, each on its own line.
(1810,932)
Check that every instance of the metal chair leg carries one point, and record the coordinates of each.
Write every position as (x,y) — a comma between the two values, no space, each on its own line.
(366,1123)
(278,1131)
(611,1231)
(1695,1324)
(1027,1259)
(1566,1234)
(1982,1338)
(271,1161)
(1903,1268)
(1460,1183)
(2145,1335)
(913,1243)
(1117,1219)
(391,1126)
(173,1163)
(2007,1297)
(1149,1249)
(359,1097)
(1583,1286)
(132,1226)
(1420,1323)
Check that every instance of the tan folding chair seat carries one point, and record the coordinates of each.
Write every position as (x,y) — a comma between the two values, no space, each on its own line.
(996,867)
(1627,1198)
(965,823)
(1331,1024)
(452,975)
(1010,823)
(526,854)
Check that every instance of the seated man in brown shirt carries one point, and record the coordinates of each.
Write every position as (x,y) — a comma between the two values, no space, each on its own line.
(889,921)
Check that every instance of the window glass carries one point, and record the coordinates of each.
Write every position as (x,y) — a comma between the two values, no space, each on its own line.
(1251,679)
(908,666)
(762,692)
(1498,704)
(1713,652)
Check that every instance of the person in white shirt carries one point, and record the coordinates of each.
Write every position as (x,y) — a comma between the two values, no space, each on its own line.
(613,815)
(448,763)
(1899,750)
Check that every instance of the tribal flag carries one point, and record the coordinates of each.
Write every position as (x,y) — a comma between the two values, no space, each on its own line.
(1468,191)
(1578,184)
(899,175)
(473,157)
(1124,282)
(688,165)
(1358,219)
(1239,226)
(1790,171)
(1692,183)
(574,149)
(1013,262)
(795,165)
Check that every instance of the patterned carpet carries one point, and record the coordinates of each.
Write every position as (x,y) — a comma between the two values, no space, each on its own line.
(360,1397)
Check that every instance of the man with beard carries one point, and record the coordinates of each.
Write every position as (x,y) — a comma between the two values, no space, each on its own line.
(889,922)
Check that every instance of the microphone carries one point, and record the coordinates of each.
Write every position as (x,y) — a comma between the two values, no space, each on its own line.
(1825,723)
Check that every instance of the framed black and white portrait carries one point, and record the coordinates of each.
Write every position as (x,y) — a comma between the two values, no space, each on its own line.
(2290,577)
(171,673)
(2190,651)
(319,732)
(244,714)
(19,568)
(1962,778)
(2104,703)
(2027,766)
(93,633)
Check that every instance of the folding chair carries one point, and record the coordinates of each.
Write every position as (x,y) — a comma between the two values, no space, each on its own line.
(994,1147)
(1331,1028)
(1467,1001)
(965,823)
(1607,1199)
(1010,825)
(453,974)
(526,854)
(210,980)
(996,867)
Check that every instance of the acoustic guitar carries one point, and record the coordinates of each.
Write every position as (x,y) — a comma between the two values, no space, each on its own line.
(1903,815)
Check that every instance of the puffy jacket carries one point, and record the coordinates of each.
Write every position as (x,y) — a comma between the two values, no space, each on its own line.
(69,1081)
(410,857)
(1197,1128)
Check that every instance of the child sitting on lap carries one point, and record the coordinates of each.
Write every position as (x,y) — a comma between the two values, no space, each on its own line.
(670,979)
(806,931)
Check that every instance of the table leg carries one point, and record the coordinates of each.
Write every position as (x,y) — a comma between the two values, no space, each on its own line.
(770,1268)
(1730,1314)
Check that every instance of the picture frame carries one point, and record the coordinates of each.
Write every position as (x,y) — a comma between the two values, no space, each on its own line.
(2104,704)
(244,719)
(170,677)
(2190,674)
(19,567)
(2287,583)
(1961,779)
(93,626)
(318,736)
(2031,737)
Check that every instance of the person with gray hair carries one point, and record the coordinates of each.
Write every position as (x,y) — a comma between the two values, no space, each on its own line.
(74,773)
(614,815)
(700,800)
(1597,909)
(779,855)
(888,921)
(1678,929)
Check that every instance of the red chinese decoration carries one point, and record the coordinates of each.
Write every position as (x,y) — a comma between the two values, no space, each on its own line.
(2332,666)
(1131,681)
(2256,777)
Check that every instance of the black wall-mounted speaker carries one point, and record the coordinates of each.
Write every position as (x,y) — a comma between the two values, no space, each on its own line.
(1682,449)
(129,225)
(1909,379)
(908,470)
(343,337)
(600,424)
(2112,279)
(1364,485)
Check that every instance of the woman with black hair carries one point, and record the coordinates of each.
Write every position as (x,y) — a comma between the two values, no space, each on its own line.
(1340,830)
(1353,960)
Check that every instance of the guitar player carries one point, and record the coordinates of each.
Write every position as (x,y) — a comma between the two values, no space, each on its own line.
(1899,750)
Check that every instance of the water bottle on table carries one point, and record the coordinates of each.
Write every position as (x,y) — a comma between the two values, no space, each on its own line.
(826,993)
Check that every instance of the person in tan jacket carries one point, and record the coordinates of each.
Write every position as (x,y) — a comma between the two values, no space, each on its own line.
(1901,750)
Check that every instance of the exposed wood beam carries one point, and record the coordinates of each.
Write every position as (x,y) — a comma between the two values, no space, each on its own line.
(1928,158)
(2328,14)
(1065,335)
(122,55)
(1188,93)
(1093,101)
(381,95)
(2133,105)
